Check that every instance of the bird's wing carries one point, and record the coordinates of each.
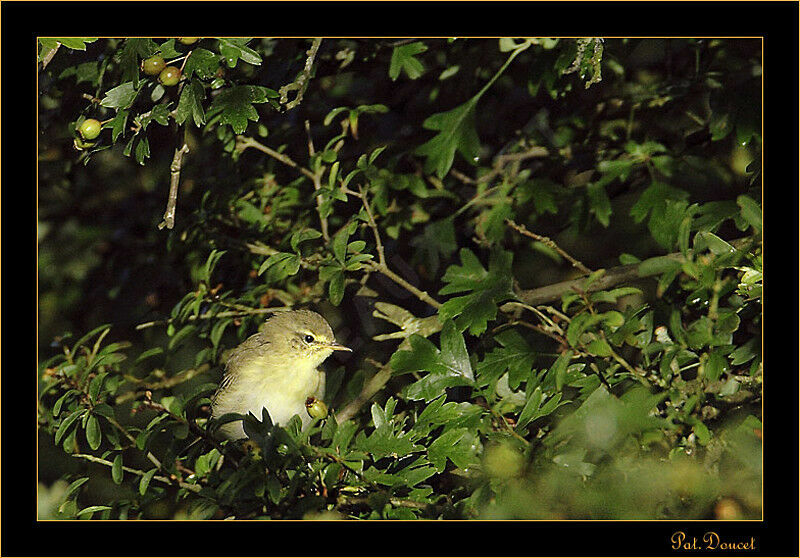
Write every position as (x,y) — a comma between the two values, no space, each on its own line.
(239,355)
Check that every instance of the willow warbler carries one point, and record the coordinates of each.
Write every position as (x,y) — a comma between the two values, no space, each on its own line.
(276,369)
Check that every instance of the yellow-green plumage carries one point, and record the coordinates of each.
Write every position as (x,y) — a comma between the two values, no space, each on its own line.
(276,369)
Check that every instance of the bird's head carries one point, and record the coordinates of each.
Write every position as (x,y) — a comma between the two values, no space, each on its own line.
(304,334)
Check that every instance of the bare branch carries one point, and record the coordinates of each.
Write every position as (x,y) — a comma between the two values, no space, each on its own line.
(548,242)
(243,142)
(301,83)
(174,182)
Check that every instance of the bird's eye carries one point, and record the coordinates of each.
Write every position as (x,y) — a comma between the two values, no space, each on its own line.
(308,338)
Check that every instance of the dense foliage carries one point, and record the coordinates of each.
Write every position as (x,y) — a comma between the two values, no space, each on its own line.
(545,253)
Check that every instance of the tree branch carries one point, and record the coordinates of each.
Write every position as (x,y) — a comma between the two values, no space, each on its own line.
(243,142)
(548,242)
(301,83)
(610,278)
(422,295)
(174,181)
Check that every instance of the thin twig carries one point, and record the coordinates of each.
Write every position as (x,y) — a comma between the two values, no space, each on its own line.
(243,311)
(153,459)
(174,181)
(422,295)
(243,142)
(373,225)
(500,161)
(611,277)
(311,149)
(548,242)
(165,480)
(316,178)
(163,384)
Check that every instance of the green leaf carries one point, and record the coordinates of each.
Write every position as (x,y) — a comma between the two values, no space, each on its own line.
(142,150)
(91,509)
(74,486)
(93,433)
(456,129)
(423,356)
(67,423)
(75,43)
(653,200)
(121,96)
(447,368)
(404,59)
(720,126)
(557,373)
(459,445)
(279,266)
(302,236)
(599,347)
(97,382)
(116,469)
(714,366)
(715,244)
(181,336)
(751,211)
(514,356)
(236,105)
(118,124)
(438,239)
(145,481)
(190,105)
(336,288)
(167,49)
(340,244)
(234,49)
(60,402)
(599,204)
(454,351)
(658,265)
(202,62)
(487,289)
(383,442)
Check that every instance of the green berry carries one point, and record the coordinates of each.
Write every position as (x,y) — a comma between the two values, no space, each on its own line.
(188,40)
(316,408)
(169,76)
(503,461)
(90,128)
(153,65)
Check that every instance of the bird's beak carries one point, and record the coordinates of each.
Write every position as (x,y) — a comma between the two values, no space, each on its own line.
(337,347)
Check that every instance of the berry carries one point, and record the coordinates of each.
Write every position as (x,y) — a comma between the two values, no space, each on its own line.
(169,76)
(188,40)
(153,65)
(90,128)
(316,408)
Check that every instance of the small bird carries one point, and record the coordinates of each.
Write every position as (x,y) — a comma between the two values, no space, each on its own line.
(276,369)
